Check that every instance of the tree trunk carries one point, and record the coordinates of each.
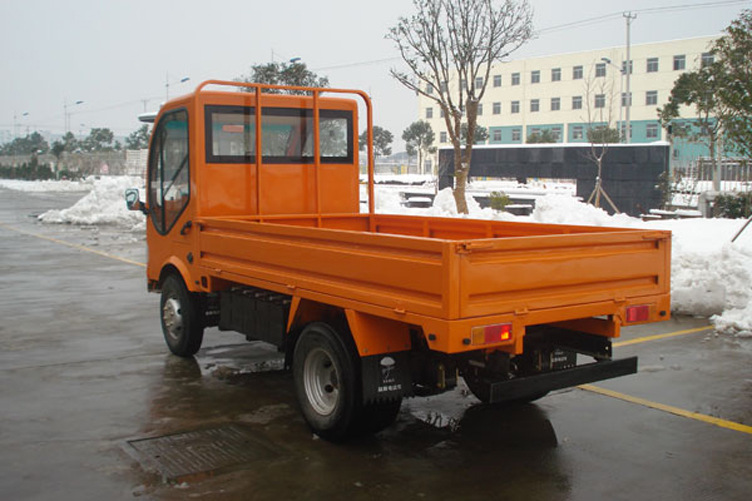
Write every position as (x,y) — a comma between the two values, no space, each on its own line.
(715,166)
(460,181)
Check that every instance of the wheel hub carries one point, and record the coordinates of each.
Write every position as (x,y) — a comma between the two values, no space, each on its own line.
(321,381)
(173,318)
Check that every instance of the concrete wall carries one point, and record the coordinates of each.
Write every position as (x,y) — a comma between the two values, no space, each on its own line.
(631,173)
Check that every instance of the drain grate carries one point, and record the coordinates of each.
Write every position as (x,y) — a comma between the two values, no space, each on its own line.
(197,454)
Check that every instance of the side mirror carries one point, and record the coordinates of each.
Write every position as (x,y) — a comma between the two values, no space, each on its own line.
(132,200)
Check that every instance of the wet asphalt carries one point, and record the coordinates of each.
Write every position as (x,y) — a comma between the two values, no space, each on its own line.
(84,370)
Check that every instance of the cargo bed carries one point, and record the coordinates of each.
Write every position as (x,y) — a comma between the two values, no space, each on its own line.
(442,268)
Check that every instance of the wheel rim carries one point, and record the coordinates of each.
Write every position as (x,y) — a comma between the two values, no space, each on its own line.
(173,318)
(321,381)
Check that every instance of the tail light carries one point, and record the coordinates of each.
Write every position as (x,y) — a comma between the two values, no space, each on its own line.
(639,313)
(491,334)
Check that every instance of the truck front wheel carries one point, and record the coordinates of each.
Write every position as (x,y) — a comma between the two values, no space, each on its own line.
(181,316)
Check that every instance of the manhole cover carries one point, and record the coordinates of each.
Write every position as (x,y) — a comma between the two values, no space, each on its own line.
(196,454)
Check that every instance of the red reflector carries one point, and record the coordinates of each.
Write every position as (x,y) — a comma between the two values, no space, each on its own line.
(638,313)
(497,333)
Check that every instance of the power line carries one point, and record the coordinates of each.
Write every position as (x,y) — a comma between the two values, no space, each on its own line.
(652,10)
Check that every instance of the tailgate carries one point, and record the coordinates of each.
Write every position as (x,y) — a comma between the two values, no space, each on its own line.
(554,271)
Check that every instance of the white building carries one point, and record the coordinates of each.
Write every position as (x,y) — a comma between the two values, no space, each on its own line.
(567,93)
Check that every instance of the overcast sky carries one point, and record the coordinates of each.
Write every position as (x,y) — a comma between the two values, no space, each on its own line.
(113,55)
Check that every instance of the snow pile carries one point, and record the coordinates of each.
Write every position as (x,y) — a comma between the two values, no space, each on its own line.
(104,204)
(562,209)
(47,186)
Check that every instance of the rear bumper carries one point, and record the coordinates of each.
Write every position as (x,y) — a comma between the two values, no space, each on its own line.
(519,388)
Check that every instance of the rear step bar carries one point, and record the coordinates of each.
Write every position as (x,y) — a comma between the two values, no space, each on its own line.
(521,387)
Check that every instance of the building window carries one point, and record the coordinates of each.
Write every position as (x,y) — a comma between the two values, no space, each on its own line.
(480,109)
(441,112)
(557,134)
(624,67)
(515,106)
(578,132)
(442,137)
(651,132)
(515,79)
(444,86)
(496,135)
(555,103)
(600,100)
(429,113)
(534,131)
(600,69)
(556,75)
(576,102)
(429,89)
(651,97)
(535,76)
(497,81)
(680,62)
(707,59)
(516,135)
(463,84)
(479,82)
(534,105)
(497,108)
(624,101)
(577,73)
(652,65)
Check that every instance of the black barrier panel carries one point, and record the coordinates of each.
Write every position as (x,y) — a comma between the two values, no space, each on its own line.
(631,174)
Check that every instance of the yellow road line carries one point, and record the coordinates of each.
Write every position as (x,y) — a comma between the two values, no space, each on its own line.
(723,423)
(662,336)
(74,246)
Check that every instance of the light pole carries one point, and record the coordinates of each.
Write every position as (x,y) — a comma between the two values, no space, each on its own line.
(628,68)
(621,91)
(167,84)
(67,114)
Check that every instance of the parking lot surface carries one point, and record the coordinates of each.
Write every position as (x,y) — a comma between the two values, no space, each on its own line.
(86,382)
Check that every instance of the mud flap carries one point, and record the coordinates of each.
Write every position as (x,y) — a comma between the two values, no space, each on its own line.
(386,377)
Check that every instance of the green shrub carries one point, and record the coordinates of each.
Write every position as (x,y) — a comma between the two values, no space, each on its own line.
(733,205)
(499,200)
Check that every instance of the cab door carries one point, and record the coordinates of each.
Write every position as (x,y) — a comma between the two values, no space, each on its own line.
(169,195)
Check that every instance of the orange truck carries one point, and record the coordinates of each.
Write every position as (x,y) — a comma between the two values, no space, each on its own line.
(263,234)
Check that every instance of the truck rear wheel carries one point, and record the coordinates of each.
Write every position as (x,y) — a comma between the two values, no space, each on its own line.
(181,316)
(325,382)
(328,387)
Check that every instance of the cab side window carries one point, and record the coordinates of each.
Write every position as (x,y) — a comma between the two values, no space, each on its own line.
(169,180)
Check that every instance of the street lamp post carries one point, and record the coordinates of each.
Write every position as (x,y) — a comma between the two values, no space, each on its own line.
(167,84)
(67,114)
(621,91)
(629,17)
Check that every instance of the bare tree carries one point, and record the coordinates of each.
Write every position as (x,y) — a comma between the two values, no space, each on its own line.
(600,97)
(449,47)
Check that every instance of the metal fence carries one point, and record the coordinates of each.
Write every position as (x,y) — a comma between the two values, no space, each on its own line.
(124,162)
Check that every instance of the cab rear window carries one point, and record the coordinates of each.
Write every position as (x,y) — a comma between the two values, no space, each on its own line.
(287,135)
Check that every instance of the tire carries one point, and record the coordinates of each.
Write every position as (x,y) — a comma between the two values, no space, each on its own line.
(326,382)
(182,317)
(329,390)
